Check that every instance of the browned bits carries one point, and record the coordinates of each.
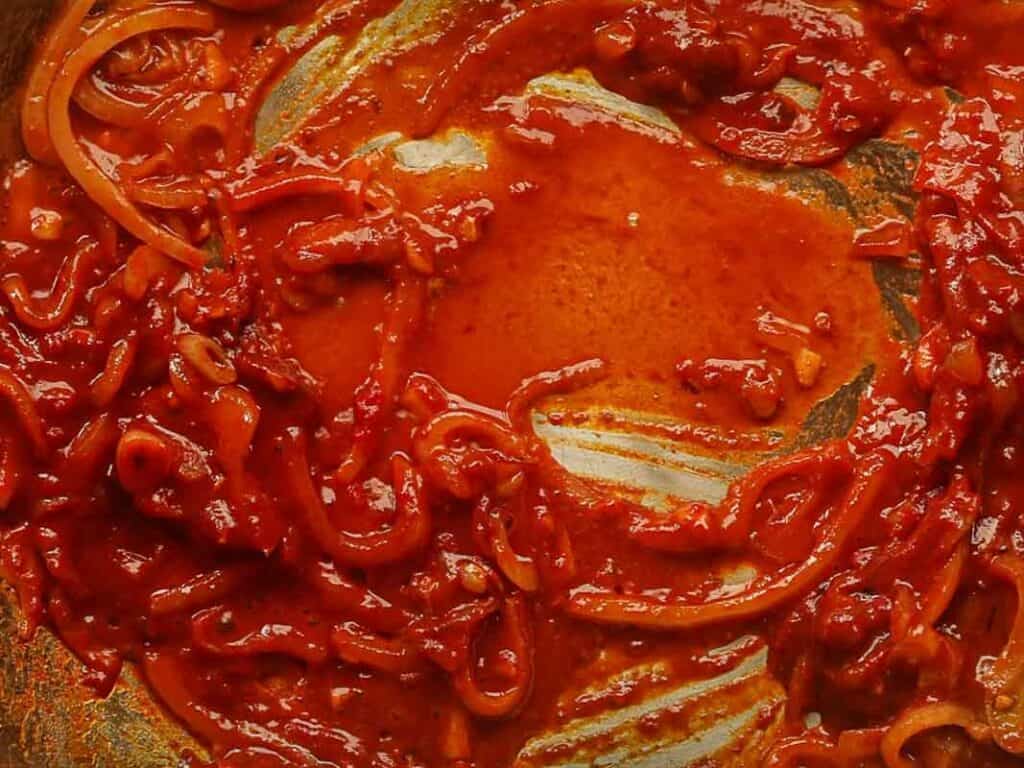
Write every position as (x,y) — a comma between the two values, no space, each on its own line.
(143,460)
(469,229)
(761,397)
(472,577)
(980,732)
(418,257)
(47,225)
(208,358)
(807,363)
(1003,702)
(758,384)
(823,323)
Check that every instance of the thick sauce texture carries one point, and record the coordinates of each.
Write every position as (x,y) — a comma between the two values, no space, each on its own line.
(267,423)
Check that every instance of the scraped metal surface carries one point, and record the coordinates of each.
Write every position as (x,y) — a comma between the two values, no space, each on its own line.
(48,720)
(656,470)
(454,149)
(581,87)
(717,720)
(333,63)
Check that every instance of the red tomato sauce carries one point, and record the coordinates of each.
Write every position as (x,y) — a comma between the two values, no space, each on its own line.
(267,431)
